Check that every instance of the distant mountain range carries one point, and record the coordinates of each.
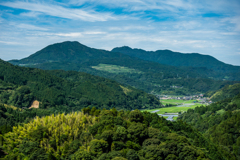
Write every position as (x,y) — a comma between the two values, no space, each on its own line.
(194,75)
(179,59)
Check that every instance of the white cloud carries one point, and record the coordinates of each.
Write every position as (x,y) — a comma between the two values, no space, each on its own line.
(58,11)
(131,27)
(94,32)
(76,34)
(30,27)
(30,14)
(233,20)
(11,43)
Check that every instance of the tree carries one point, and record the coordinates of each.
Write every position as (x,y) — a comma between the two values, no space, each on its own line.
(136,116)
(98,147)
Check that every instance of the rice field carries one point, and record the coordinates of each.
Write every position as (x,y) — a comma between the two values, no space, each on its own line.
(115,68)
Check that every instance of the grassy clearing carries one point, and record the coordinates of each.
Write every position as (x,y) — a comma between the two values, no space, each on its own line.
(13,107)
(115,69)
(220,111)
(126,90)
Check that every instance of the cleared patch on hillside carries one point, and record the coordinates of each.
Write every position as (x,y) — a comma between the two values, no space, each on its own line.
(125,90)
(13,107)
(115,68)
(35,104)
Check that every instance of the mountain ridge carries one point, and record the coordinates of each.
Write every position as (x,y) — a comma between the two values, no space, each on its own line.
(151,77)
(63,52)
(172,58)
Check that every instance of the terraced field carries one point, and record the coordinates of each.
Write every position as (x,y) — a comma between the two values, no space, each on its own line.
(115,69)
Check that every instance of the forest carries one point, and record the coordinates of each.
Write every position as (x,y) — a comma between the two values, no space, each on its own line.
(219,122)
(107,134)
(67,90)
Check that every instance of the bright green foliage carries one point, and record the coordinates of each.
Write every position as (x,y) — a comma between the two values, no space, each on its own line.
(53,134)
(112,135)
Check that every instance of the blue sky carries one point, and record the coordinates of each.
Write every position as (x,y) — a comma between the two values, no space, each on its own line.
(188,26)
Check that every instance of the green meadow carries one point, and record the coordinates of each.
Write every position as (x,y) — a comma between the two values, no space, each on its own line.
(173,109)
(175,101)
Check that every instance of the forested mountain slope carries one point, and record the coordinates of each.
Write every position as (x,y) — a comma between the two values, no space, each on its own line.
(107,134)
(228,91)
(188,60)
(145,75)
(68,91)
(220,122)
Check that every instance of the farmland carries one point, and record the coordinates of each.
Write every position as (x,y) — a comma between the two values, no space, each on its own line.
(185,105)
(115,69)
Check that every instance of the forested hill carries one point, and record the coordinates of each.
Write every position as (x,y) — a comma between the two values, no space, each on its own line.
(148,76)
(228,91)
(66,51)
(179,59)
(67,91)
(107,135)
(220,122)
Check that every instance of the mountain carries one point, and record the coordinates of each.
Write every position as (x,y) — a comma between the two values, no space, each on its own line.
(149,76)
(66,51)
(180,59)
(67,90)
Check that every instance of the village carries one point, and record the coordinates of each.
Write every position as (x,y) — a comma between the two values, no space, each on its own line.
(198,98)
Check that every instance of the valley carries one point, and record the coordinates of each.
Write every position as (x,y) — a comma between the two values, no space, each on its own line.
(178,107)
(70,101)
(119,80)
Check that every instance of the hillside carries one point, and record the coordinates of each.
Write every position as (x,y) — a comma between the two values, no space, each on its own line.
(182,60)
(219,122)
(66,91)
(148,76)
(228,91)
(107,134)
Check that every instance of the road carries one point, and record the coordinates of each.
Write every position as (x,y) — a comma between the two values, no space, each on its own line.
(155,111)
(186,105)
